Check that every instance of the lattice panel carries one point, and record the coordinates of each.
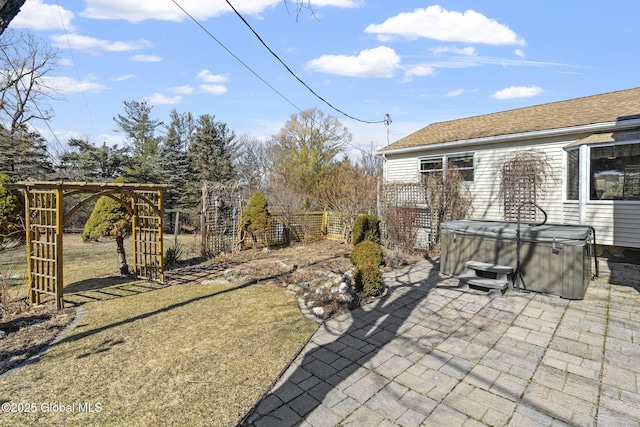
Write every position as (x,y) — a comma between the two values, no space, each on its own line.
(147,235)
(221,214)
(519,188)
(336,224)
(307,226)
(44,245)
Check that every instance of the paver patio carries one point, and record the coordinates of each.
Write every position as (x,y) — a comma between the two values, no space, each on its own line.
(429,354)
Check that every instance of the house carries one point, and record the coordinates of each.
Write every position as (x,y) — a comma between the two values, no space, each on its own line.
(591,146)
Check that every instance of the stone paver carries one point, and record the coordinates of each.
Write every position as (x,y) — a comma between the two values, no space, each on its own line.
(429,354)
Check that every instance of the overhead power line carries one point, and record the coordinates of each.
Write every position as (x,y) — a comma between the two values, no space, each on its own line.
(386,120)
(295,75)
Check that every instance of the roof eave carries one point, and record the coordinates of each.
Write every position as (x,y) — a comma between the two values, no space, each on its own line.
(595,127)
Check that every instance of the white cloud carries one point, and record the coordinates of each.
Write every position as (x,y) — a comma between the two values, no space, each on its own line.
(437,23)
(213,89)
(519,53)
(124,77)
(420,71)
(468,51)
(208,77)
(381,61)
(140,10)
(160,99)
(336,3)
(93,45)
(146,58)
(213,83)
(182,90)
(62,84)
(517,92)
(456,92)
(38,16)
(65,62)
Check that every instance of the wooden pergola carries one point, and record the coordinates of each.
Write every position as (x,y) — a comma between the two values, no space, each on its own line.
(45,218)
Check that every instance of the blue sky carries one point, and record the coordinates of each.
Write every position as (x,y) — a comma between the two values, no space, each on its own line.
(418,61)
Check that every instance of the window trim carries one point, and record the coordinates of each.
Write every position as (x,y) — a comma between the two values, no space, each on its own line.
(444,159)
(591,201)
(584,192)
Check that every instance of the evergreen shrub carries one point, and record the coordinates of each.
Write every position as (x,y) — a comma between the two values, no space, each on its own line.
(368,280)
(366,227)
(367,252)
(11,213)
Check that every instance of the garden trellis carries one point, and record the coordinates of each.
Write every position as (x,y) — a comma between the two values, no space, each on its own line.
(45,218)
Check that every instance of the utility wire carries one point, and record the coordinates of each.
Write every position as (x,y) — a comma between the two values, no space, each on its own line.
(295,75)
(75,65)
(234,55)
(387,120)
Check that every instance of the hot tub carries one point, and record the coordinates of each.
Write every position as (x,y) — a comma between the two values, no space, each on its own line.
(554,259)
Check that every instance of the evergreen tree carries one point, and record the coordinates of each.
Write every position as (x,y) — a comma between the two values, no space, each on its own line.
(211,156)
(173,163)
(139,128)
(256,219)
(110,219)
(213,150)
(11,214)
(23,154)
(86,162)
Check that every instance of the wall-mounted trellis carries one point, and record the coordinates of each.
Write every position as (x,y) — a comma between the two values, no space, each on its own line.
(406,202)
(45,218)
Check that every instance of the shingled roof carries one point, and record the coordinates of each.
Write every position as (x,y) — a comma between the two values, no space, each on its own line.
(603,108)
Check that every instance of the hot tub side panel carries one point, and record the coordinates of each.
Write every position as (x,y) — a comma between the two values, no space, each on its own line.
(563,270)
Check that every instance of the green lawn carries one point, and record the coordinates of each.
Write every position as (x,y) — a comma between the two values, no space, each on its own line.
(150,355)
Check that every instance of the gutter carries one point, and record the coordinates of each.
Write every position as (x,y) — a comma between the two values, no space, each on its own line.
(594,128)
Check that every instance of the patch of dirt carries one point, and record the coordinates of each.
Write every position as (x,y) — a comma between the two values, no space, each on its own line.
(317,272)
(28,331)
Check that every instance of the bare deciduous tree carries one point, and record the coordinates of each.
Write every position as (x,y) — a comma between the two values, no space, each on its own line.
(349,190)
(447,199)
(25,62)
(304,151)
(253,164)
(8,10)
(525,176)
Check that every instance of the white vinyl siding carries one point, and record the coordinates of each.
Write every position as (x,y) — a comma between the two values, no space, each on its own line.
(402,168)
(616,222)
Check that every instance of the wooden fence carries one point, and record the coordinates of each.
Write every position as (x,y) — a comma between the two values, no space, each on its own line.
(302,227)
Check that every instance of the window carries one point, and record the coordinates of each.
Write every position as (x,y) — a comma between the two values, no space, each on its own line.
(573,174)
(615,172)
(464,162)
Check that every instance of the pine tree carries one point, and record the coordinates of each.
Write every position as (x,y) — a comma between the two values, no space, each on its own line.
(173,163)
(23,155)
(86,162)
(139,128)
(213,150)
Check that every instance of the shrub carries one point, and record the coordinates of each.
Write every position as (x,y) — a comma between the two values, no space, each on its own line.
(367,252)
(256,219)
(366,227)
(395,258)
(11,214)
(368,280)
(173,255)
